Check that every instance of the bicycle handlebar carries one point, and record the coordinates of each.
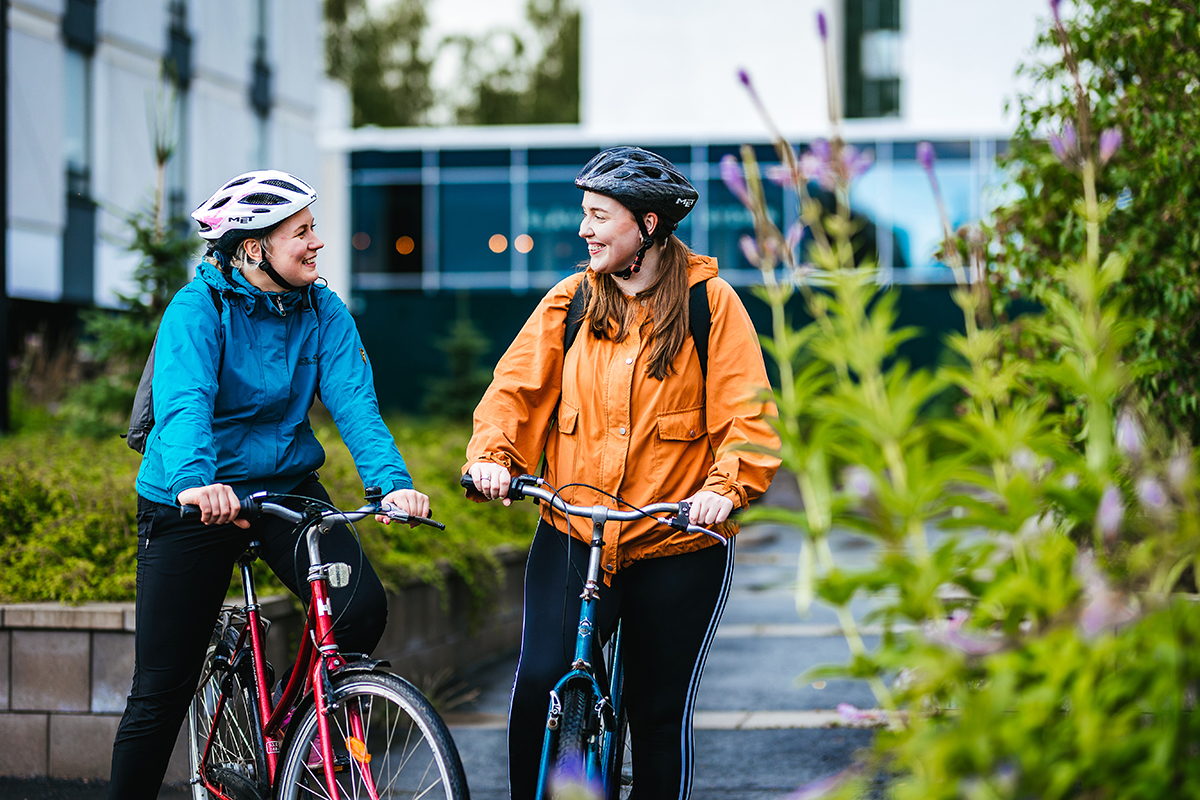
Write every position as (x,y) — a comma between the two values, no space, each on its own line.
(255,505)
(523,486)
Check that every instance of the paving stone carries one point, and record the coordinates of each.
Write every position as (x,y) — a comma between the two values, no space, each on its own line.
(81,745)
(50,670)
(112,671)
(24,751)
(5,650)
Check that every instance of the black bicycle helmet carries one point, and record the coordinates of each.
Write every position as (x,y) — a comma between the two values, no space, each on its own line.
(641,181)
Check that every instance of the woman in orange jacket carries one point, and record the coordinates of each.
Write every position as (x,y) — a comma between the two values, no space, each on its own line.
(633,409)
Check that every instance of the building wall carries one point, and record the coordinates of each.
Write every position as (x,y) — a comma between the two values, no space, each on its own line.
(220,131)
(669,67)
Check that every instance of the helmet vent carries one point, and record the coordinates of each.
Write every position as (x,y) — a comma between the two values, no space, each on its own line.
(263,199)
(291,187)
(237,182)
(219,203)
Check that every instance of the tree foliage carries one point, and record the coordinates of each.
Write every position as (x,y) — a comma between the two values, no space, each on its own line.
(1140,65)
(380,58)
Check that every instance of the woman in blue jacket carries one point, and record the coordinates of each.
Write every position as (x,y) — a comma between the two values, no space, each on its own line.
(234,378)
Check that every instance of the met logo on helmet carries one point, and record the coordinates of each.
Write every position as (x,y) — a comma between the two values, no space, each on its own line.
(685,201)
(240,220)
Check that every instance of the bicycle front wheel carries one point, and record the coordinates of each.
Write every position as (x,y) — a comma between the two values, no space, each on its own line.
(387,742)
(574,758)
(223,723)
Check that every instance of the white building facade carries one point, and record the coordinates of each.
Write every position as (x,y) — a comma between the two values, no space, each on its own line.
(234,84)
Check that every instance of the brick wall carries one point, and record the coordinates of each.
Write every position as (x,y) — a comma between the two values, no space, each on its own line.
(65,671)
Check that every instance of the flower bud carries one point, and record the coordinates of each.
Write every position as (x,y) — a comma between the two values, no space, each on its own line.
(822,26)
(1064,146)
(1110,140)
(1110,514)
(735,179)
(925,155)
(1151,494)
(1130,439)
(750,250)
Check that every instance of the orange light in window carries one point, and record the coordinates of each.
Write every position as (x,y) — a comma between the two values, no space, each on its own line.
(523,243)
(498,244)
(405,245)
(361,241)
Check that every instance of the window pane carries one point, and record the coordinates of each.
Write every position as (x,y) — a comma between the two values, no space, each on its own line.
(552,221)
(75,122)
(387,229)
(474,227)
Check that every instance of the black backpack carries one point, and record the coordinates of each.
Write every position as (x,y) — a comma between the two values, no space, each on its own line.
(699,319)
(141,420)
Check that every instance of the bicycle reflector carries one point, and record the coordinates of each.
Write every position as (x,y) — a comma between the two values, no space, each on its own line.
(358,749)
(339,574)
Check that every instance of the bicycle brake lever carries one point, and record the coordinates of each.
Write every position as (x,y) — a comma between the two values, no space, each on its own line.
(681,521)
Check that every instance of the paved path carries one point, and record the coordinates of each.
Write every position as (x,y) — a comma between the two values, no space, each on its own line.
(759,734)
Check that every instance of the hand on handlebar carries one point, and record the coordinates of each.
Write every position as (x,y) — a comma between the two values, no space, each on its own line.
(491,481)
(709,508)
(410,501)
(217,502)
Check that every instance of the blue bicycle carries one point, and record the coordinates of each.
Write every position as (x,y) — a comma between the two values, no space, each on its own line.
(587,727)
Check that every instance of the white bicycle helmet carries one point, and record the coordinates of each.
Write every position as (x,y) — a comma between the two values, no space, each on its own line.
(251,202)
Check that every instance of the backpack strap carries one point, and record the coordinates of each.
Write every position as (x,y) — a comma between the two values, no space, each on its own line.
(699,319)
(700,322)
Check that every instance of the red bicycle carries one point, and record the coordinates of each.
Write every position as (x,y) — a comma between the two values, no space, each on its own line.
(343,727)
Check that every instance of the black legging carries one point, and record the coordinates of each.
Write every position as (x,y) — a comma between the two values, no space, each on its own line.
(184,572)
(669,608)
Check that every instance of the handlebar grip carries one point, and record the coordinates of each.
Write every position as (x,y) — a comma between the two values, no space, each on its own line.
(251,508)
(514,487)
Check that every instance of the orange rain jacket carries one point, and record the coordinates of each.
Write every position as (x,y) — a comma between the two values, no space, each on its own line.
(602,420)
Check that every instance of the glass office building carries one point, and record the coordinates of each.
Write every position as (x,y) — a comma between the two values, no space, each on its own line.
(439,232)
(508,218)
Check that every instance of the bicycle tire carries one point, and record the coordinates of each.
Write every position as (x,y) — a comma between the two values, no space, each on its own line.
(572,747)
(408,747)
(620,764)
(237,762)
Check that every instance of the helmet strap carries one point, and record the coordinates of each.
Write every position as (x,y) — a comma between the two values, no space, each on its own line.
(266,267)
(647,243)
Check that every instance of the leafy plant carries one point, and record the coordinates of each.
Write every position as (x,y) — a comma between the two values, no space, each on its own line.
(1027,553)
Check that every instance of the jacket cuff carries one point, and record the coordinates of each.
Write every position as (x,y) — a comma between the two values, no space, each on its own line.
(726,488)
(187,482)
(503,459)
(395,484)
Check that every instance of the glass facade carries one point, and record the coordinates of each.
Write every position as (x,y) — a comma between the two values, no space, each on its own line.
(508,218)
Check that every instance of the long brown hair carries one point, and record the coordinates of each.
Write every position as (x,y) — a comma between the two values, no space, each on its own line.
(609,315)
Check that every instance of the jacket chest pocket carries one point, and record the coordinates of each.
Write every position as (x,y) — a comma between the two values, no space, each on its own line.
(681,426)
(562,447)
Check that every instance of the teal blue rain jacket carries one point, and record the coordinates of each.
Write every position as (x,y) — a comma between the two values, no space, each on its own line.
(248,426)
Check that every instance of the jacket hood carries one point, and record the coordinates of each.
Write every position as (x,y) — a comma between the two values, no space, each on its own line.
(701,268)
(235,283)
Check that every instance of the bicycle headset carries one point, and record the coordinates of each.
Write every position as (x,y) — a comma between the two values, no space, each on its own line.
(643,182)
(251,206)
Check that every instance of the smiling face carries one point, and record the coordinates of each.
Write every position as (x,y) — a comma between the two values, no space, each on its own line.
(291,249)
(611,233)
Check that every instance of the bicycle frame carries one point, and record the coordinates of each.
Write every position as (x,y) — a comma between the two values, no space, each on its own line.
(318,655)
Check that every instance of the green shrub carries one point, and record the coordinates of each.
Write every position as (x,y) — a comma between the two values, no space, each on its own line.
(68,528)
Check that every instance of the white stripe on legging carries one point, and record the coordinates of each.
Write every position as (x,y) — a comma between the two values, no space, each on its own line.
(689,761)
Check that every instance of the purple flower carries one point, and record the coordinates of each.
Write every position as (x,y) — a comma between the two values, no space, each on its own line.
(1061,151)
(852,713)
(1054,11)
(735,178)
(817,164)
(792,237)
(925,155)
(1129,435)
(1151,494)
(1179,472)
(822,26)
(1110,140)
(1110,514)
(856,162)
(750,250)
(859,482)
(949,632)
(1103,607)
(744,77)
